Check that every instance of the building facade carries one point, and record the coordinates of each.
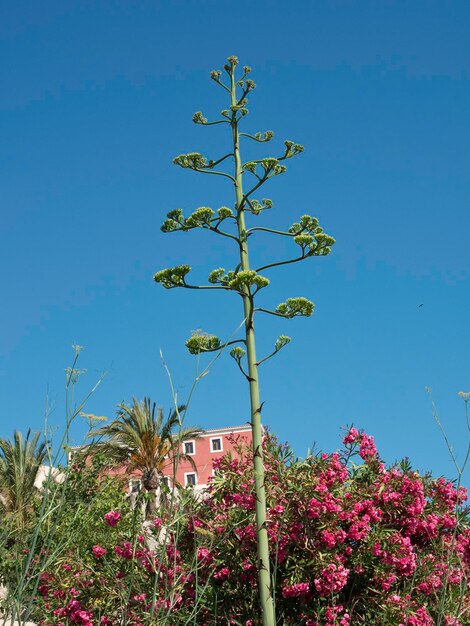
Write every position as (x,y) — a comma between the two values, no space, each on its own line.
(210,445)
(203,450)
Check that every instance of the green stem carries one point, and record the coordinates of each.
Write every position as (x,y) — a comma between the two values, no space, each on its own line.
(264,574)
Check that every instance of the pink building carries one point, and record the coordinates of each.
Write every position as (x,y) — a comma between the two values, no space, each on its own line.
(208,445)
(211,444)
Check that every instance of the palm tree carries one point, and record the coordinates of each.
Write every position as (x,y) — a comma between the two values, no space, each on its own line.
(142,440)
(20,461)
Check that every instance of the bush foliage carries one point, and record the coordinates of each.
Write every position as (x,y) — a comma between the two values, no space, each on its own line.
(353,542)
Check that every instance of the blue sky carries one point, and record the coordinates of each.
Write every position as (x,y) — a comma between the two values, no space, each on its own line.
(96,100)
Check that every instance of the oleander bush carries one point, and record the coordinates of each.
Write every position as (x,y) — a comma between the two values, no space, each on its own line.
(353,542)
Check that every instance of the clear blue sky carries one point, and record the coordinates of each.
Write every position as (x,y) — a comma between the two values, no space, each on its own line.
(96,100)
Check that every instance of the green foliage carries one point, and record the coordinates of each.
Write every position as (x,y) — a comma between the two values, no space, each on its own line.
(20,460)
(143,440)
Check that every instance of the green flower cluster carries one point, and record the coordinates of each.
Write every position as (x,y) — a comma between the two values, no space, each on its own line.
(248,278)
(270,165)
(310,236)
(202,342)
(292,149)
(281,341)
(256,207)
(307,223)
(219,276)
(200,218)
(224,212)
(237,353)
(173,276)
(267,136)
(192,161)
(198,118)
(294,307)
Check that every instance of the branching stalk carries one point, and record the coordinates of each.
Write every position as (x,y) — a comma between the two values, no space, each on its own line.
(245,281)
(264,572)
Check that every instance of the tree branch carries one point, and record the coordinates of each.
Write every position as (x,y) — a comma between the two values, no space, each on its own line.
(267,357)
(214,163)
(216,173)
(271,312)
(213,123)
(242,370)
(253,189)
(253,137)
(186,286)
(223,346)
(215,229)
(300,258)
(271,230)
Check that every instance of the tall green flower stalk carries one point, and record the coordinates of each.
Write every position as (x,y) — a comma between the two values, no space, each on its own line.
(243,279)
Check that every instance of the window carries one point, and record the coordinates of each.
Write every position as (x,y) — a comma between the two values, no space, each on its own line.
(216,444)
(135,485)
(189,447)
(190,479)
(167,481)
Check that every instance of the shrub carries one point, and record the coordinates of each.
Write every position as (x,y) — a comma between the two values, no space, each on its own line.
(353,542)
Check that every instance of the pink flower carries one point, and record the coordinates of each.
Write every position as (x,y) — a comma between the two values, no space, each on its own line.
(98,551)
(222,574)
(367,449)
(112,518)
(332,579)
(141,597)
(204,555)
(294,591)
(351,436)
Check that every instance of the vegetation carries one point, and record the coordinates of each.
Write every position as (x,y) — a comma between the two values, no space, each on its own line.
(308,237)
(140,439)
(354,543)
(20,460)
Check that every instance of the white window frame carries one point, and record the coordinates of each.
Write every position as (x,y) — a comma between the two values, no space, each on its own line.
(221,444)
(139,483)
(193,441)
(186,474)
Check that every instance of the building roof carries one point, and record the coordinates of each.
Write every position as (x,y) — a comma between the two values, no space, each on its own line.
(225,430)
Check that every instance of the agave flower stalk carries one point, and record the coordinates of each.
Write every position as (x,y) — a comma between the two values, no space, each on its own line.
(244,280)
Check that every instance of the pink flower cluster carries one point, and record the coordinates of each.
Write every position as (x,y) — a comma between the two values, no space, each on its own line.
(332,579)
(346,539)
(99,551)
(294,591)
(112,518)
